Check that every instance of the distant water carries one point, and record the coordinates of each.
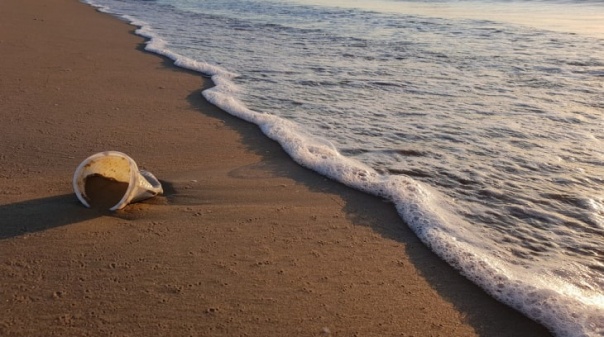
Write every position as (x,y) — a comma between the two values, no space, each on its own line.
(482,121)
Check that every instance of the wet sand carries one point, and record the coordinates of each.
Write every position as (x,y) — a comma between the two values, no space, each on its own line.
(243,243)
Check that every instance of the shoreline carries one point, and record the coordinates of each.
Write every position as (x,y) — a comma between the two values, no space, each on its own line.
(244,241)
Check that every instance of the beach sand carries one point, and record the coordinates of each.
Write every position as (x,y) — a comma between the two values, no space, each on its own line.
(244,242)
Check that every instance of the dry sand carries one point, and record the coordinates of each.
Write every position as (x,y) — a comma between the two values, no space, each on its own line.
(244,243)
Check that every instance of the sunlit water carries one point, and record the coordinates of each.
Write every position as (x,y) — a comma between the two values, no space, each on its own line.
(481,121)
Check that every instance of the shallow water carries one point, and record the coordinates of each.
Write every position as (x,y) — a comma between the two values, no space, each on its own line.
(482,126)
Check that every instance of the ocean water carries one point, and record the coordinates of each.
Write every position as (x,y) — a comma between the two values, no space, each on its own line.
(482,121)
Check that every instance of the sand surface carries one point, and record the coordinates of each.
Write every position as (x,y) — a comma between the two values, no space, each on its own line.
(244,243)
